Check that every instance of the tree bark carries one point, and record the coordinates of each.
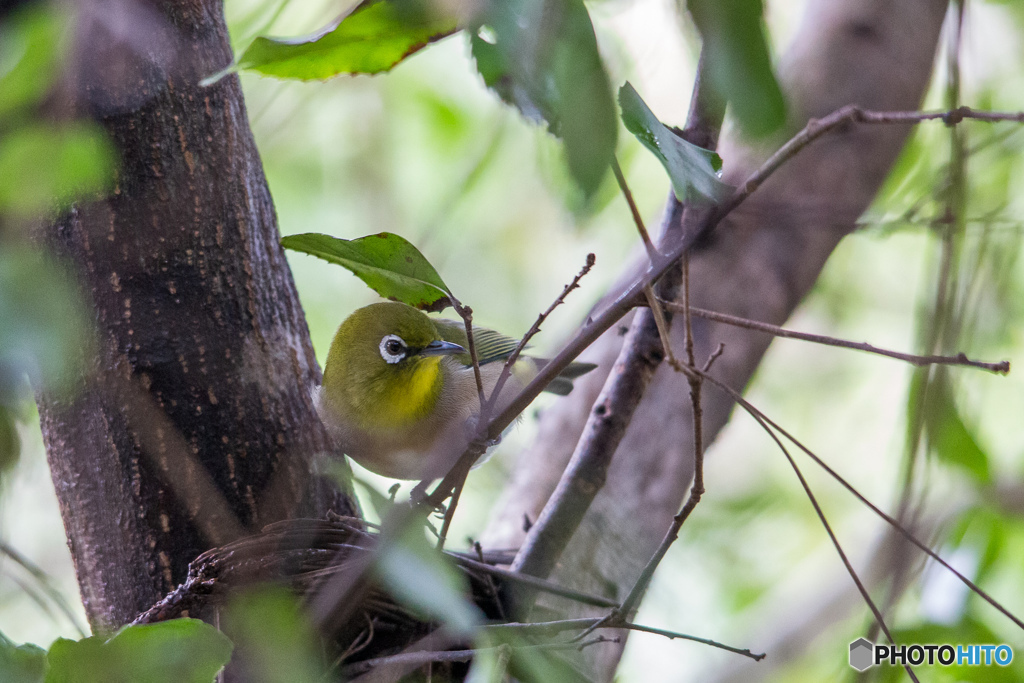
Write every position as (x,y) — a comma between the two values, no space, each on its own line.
(193,423)
(759,264)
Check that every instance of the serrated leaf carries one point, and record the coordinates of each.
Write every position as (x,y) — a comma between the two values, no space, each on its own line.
(692,169)
(389,264)
(736,50)
(178,651)
(544,61)
(373,38)
(421,577)
(21,663)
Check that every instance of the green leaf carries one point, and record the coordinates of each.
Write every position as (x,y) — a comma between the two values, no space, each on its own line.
(376,36)
(424,579)
(178,651)
(949,436)
(737,53)
(274,640)
(543,59)
(389,264)
(692,169)
(28,57)
(967,631)
(983,530)
(44,167)
(21,663)
(10,443)
(527,662)
(380,503)
(45,330)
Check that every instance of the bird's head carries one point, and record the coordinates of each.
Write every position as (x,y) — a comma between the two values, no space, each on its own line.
(384,363)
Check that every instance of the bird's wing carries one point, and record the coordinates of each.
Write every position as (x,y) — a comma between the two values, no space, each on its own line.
(490,345)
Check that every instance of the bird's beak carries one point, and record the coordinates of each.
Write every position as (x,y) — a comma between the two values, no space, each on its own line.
(441,348)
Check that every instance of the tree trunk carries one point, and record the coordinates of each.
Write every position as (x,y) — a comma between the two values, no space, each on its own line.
(193,423)
(759,264)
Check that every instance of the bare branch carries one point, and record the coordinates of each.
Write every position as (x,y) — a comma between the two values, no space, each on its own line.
(410,660)
(652,251)
(562,625)
(636,593)
(762,418)
(653,254)
(960,359)
(816,128)
(449,513)
(534,329)
(45,585)
(543,585)
(466,313)
(879,620)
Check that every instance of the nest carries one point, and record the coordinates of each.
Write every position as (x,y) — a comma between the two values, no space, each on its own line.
(318,558)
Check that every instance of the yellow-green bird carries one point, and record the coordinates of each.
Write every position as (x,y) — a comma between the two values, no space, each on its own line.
(399,387)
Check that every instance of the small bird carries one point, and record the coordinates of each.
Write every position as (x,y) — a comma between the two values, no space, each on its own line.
(399,388)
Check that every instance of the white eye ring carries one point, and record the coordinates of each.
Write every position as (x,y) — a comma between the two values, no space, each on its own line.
(393,348)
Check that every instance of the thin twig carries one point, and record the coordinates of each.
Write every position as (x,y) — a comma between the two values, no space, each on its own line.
(466,313)
(671,635)
(636,593)
(492,587)
(757,415)
(753,411)
(861,588)
(449,513)
(960,359)
(713,357)
(415,659)
(816,128)
(653,254)
(687,311)
(539,584)
(652,251)
(562,625)
(456,476)
(641,354)
(45,584)
(506,371)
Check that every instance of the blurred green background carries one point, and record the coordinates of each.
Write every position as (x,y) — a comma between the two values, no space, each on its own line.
(427,152)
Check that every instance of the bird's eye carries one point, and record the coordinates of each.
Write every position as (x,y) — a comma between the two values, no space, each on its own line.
(392,348)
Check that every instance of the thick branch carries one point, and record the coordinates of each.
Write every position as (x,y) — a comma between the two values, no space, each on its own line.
(194,423)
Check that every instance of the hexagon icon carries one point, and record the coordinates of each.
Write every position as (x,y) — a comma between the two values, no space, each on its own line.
(862,654)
